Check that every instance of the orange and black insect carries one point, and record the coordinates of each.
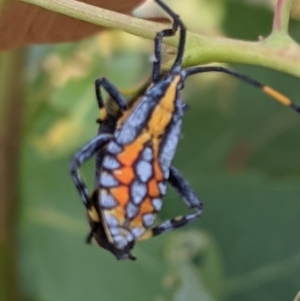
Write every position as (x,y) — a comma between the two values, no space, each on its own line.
(134,150)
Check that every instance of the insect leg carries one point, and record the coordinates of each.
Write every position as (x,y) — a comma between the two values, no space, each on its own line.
(177,23)
(112,91)
(83,155)
(190,199)
(282,99)
(184,189)
(90,235)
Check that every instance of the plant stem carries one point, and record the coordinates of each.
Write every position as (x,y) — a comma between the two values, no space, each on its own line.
(282,15)
(98,16)
(268,53)
(279,53)
(11,100)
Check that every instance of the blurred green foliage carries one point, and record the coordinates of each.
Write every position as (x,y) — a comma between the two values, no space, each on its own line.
(239,151)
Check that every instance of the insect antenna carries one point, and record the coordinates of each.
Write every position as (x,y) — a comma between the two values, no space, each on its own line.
(279,97)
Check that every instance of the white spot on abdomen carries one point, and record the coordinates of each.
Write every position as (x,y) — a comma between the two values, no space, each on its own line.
(110,163)
(147,154)
(148,220)
(137,231)
(110,220)
(144,171)
(162,187)
(113,148)
(120,241)
(157,204)
(131,210)
(126,135)
(138,192)
(107,180)
(106,200)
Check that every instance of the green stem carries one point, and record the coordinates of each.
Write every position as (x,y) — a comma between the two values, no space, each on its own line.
(11,99)
(282,15)
(277,52)
(270,53)
(98,16)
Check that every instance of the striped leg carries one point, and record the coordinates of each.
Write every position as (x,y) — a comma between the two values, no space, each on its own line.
(190,199)
(282,99)
(112,91)
(83,155)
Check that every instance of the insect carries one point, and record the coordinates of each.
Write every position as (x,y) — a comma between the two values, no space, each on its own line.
(134,149)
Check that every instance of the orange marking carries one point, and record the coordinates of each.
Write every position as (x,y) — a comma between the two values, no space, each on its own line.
(157,171)
(125,175)
(119,214)
(120,194)
(159,120)
(167,101)
(277,96)
(146,206)
(153,190)
(130,153)
(136,221)
(155,146)
(162,113)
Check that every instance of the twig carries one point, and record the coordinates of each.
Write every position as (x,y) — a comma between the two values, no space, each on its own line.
(279,53)
(282,15)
